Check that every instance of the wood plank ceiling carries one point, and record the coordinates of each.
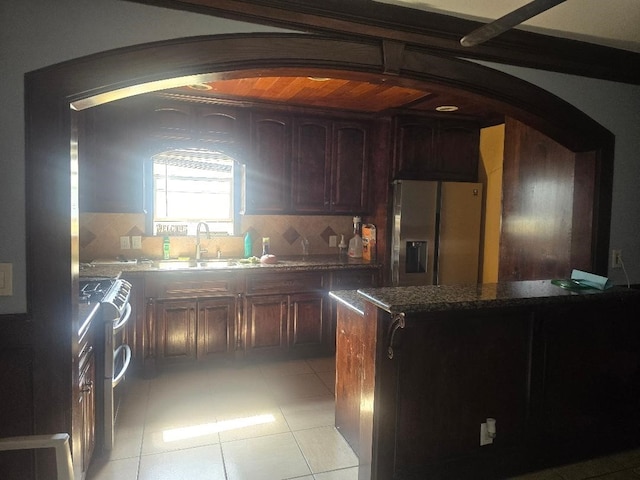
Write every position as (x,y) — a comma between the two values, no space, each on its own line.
(363,95)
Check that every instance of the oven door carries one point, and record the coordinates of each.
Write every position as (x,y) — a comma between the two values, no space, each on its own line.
(117,360)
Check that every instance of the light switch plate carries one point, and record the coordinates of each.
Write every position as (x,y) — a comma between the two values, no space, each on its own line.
(6,279)
(125,243)
(333,240)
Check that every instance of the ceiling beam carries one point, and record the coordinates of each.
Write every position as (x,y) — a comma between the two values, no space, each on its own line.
(436,33)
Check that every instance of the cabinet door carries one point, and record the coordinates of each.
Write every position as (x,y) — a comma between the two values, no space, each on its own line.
(350,162)
(87,401)
(176,330)
(111,169)
(307,329)
(429,149)
(591,354)
(267,189)
(311,166)
(414,156)
(216,327)
(266,326)
(457,148)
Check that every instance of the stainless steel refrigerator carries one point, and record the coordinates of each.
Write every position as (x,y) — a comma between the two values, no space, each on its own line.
(435,232)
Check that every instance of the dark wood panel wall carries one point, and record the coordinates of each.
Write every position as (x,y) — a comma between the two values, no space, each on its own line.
(539,187)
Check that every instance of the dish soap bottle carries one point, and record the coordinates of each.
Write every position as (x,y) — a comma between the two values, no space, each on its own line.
(355,244)
(342,246)
(248,248)
(166,248)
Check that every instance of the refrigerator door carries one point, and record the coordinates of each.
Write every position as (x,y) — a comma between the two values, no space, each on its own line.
(459,238)
(413,232)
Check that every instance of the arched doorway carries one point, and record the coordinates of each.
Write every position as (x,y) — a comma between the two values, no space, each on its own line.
(51,163)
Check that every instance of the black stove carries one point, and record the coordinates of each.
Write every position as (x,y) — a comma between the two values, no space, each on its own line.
(93,290)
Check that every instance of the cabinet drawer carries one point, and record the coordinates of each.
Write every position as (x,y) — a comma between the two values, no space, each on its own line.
(284,283)
(351,280)
(197,286)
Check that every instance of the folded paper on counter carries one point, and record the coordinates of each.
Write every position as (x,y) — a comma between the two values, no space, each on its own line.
(590,280)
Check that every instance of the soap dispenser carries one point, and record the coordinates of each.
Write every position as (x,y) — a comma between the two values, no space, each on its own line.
(342,247)
(355,244)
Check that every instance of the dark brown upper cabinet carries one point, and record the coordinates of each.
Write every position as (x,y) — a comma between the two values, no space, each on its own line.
(430,149)
(329,168)
(110,160)
(311,165)
(266,186)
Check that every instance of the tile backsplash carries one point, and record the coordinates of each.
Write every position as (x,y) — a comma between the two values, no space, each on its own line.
(100,236)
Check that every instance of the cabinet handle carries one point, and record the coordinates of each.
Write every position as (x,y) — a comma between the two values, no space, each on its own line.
(87,387)
(397,323)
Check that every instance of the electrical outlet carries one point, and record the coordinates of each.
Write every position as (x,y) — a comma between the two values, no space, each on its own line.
(6,279)
(136,242)
(333,240)
(125,243)
(616,258)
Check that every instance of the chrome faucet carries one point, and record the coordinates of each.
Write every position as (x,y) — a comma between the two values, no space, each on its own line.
(200,251)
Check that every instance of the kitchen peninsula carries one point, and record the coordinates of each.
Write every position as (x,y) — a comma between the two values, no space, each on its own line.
(420,369)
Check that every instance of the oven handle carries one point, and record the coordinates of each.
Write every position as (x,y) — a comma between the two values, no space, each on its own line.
(127,360)
(120,325)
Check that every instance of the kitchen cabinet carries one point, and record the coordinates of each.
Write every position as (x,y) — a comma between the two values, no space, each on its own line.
(203,125)
(286,315)
(216,328)
(311,165)
(329,168)
(350,162)
(267,189)
(252,314)
(110,160)
(193,316)
(176,335)
(195,329)
(430,149)
(267,318)
(596,347)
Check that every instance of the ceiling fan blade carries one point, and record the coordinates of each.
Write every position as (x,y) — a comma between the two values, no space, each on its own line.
(510,20)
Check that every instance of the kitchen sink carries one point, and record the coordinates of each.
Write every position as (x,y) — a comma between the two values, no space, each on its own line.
(192,264)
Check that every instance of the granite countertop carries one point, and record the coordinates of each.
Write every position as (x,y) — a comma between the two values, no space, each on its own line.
(292,263)
(489,295)
(349,298)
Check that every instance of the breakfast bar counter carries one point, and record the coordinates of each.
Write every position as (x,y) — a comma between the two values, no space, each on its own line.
(419,370)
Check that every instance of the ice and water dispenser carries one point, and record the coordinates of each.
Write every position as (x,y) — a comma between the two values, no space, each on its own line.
(415,257)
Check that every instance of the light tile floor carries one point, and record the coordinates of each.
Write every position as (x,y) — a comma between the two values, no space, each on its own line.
(262,422)
(271,421)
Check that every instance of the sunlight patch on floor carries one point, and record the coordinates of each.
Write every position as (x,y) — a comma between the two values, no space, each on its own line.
(194,431)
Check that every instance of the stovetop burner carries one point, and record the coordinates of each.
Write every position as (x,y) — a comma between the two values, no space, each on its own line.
(94,290)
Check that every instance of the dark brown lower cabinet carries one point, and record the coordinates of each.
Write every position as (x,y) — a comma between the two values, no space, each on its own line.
(266,326)
(259,314)
(176,334)
(195,329)
(216,328)
(285,325)
(308,329)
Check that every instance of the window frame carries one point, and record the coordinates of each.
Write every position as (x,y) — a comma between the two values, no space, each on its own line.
(149,186)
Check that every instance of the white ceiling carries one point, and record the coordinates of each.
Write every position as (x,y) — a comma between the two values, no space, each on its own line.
(613,23)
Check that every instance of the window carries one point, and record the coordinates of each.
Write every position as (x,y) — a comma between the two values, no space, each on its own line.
(190,186)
